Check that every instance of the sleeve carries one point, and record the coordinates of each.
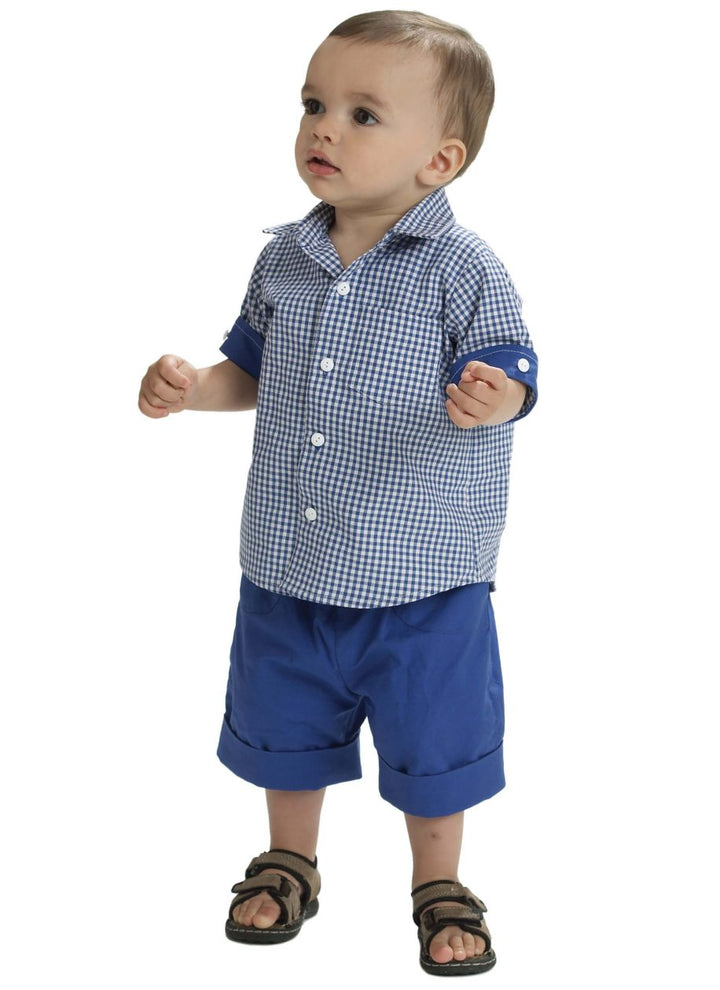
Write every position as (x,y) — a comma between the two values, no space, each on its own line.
(485,324)
(244,342)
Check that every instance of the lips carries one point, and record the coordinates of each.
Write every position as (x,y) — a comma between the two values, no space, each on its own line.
(318,156)
(320,165)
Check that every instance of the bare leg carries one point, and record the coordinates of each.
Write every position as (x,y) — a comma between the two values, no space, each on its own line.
(294,824)
(436,844)
(295,820)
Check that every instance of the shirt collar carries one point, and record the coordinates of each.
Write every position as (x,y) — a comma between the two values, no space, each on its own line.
(429,218)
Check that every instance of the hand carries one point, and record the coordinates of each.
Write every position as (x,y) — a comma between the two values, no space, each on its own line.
(481,396)
(167,386)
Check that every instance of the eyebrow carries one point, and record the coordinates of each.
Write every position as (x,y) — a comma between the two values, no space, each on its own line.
(362,97)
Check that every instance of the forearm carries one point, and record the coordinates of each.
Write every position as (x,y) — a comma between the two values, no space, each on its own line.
(224,387)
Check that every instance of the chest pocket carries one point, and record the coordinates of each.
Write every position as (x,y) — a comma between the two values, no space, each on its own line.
(393,358)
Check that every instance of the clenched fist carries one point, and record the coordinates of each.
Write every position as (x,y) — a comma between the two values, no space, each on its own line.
(484,397)
(167,386)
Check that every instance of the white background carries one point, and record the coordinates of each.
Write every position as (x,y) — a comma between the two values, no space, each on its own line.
(146,145)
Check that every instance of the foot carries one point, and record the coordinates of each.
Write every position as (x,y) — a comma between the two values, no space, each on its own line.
(261,911)
(452,943)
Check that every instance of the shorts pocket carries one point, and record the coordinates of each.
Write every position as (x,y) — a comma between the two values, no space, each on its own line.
(455,610)
(256,600)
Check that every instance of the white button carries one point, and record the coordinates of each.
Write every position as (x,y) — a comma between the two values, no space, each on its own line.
(317,439)
(310,514)
(523,364)
(343,288)
(327,364)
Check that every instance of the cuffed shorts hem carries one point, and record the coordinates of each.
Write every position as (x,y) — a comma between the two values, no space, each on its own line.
(447,793)
(304,771)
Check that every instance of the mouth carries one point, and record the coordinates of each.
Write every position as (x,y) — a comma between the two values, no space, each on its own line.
(319,165)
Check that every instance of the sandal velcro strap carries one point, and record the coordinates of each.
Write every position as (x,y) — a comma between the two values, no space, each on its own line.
(443,890)
(300,867)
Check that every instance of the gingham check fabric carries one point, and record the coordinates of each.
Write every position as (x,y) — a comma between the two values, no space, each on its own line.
(362,492)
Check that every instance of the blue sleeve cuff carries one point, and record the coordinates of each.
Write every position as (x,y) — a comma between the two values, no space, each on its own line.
(516,361)
(244,347)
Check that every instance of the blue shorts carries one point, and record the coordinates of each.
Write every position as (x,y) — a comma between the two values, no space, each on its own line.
(304,676)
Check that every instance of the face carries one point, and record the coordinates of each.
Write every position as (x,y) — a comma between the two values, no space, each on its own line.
(370,126)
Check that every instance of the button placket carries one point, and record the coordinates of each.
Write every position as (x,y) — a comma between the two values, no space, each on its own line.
(327,364)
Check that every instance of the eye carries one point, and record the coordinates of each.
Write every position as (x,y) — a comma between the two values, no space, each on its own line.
(364,117)
(312,106)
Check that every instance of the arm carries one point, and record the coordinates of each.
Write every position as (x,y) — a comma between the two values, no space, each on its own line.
(224,387)
(173,384)
(493,379)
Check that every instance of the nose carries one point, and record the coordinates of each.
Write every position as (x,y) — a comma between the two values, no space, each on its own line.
(324,129)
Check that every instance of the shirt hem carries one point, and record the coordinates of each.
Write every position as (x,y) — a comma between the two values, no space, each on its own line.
(383,601)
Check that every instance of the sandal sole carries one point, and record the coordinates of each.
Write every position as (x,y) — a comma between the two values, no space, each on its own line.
(272,935)
(476,965)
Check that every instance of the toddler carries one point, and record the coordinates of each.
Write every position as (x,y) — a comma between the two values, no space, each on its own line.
(384,350)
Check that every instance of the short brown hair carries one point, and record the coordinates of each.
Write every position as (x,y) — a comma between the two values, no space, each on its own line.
(465,86)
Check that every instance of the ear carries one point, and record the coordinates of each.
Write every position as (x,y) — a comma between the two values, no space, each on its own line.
(444,164)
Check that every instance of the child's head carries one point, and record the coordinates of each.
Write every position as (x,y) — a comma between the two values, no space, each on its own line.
(432,92)
(464,84)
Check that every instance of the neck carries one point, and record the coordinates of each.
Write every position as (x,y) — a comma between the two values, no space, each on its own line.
(355,232)
(365,227)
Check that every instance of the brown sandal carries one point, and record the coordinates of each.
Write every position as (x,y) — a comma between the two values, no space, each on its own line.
(467,914)
(296,904)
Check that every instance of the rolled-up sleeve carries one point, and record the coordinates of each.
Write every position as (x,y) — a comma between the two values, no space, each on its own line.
(485,323)
(244,342)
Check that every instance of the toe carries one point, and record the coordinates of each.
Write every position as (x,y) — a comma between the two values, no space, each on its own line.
(440,950)
(469,944)
(240,913)
(458,946)
(259,912)
(267,915)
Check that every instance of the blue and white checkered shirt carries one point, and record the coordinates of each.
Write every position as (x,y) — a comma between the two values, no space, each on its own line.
(362,491)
